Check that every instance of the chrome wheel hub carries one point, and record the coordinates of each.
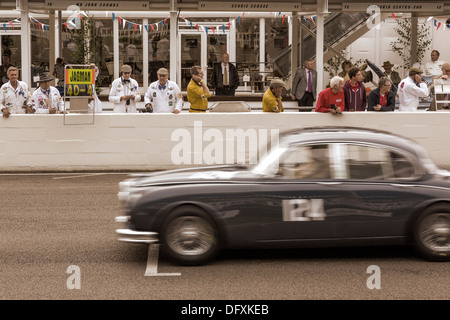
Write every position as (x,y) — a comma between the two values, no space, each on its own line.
(190,235)
(435,232)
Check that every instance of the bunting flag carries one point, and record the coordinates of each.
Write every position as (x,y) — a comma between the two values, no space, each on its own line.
(393,15)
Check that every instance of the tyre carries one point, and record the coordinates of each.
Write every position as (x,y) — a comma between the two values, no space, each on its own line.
(189,236)
(432,233)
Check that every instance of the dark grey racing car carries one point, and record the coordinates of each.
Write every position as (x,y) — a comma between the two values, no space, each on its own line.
(326,186)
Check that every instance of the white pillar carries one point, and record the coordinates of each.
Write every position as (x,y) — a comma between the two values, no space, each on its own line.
(52,43)
(232,44)
(262,45)
(294,43)
(25,42)
(145,54)
(322,8)
(116,48)
(173,45)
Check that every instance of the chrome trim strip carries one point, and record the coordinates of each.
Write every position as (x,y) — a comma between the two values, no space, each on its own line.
(128,235)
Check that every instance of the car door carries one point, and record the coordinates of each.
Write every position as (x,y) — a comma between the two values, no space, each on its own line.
(381,190)
(304,200)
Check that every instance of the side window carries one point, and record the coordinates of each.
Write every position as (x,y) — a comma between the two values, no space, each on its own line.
(402,167)
(306,162)
(366,162)
(375,163)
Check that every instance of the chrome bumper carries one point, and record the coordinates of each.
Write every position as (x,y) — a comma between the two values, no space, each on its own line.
(128,235)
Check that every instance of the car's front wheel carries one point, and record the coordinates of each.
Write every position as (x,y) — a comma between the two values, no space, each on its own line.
(432,233)
(189,236)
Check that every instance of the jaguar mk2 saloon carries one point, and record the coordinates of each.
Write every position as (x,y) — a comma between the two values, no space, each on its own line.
(319,187)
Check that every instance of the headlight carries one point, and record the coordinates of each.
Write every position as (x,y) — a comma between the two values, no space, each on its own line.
(129,194)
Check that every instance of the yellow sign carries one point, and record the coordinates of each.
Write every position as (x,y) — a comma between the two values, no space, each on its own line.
(79,90)
(80,76)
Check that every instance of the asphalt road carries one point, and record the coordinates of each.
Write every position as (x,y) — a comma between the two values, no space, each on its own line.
(58,242)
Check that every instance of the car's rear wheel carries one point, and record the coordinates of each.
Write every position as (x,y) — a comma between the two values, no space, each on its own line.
(189,236)
(432,233)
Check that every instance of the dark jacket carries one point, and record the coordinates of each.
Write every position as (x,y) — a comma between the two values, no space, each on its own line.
(355,101)
(217,76)
(374,99)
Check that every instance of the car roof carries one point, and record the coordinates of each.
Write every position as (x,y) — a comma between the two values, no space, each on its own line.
(348,134)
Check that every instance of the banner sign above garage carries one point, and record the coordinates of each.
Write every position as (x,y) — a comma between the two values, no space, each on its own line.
(97,5)
(395,7)
(262,6)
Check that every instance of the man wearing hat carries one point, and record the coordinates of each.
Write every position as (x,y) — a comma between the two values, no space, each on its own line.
(391,74)
(46,98)
(272,101)
(124,92)
(14,95)
(411,89)
(163,95)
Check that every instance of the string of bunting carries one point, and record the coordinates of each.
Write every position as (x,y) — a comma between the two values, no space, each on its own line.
(221,27)
(155,27)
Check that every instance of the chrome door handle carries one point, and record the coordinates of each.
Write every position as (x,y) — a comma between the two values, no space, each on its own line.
(330,183)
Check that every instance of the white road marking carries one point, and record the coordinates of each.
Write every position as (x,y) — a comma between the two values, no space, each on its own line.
(152,263)
(79,176)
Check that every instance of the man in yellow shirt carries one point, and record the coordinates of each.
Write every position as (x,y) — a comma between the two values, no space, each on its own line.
(272,97)
(197,91)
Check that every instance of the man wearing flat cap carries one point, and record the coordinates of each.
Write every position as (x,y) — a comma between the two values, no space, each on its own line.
(411,89)
(272,97)
(441,97)
(46,98)
(391,74)
(124,92)
(163,95)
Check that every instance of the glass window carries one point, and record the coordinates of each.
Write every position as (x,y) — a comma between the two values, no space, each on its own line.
(277,37)
(307,162)
(158,48)
(39,50)
(247,41)
(103,55)
(92,43)
(130,46)
(10,55)
(375,163)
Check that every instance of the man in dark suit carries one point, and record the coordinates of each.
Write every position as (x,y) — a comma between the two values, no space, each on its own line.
(304,84)
(225,77)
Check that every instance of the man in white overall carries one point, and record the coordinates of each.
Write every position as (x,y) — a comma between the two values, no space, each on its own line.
(163,95)
(46,98)
(14,95)
(124,92)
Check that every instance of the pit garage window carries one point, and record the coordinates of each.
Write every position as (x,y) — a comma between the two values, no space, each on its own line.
(377,163)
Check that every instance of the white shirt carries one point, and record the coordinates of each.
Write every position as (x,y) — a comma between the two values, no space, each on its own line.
(164,100)
(41,101)
(120,88)
(409,94)
(433,68)
(14,99)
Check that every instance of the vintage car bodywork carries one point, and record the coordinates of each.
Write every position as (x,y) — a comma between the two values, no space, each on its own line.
(355,187)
